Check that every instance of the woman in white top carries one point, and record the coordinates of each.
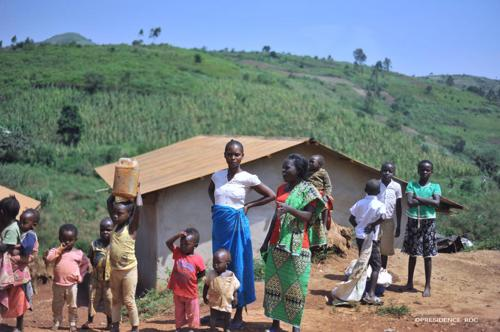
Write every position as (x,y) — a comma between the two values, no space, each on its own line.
(231,229)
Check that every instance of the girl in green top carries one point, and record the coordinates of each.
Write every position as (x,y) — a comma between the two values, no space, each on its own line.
(420,238)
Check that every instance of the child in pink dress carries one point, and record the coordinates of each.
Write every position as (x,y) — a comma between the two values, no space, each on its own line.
(70,267)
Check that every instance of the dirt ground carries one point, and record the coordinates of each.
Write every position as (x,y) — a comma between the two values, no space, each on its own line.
(465,297)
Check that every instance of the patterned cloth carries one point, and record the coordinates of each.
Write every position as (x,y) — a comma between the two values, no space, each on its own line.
(288,263)
(420,238)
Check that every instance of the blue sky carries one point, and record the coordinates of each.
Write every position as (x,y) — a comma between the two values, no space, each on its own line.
(420,37)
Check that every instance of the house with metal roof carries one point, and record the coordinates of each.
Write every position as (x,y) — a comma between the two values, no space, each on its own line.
(175,179)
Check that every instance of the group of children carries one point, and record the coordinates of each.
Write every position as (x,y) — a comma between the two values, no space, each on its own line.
(113,265)
(375,212)
(111,261)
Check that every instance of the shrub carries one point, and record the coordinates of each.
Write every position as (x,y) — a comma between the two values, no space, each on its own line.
(93,82)
(197,58)
(394,123)
(70,125)
(393,310)
(13,145)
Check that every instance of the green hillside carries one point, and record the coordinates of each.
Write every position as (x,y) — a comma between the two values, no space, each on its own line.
(132,99)
(68,38)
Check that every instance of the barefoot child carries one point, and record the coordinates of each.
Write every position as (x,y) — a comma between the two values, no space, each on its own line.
(188,269)
(366,215)
(123,279)
(390,194)
(99,281)
(220,289)
(420,238)
(70,266)
(319,177)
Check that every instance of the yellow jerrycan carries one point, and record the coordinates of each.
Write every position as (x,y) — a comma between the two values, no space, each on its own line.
(126,182)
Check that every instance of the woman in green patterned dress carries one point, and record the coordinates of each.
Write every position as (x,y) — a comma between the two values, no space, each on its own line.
(286,247)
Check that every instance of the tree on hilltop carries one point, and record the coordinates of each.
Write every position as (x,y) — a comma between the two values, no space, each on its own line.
(13,40)
(141,32)
(359,56)
(387,64)
(154,33)
(266,49)
(450,81)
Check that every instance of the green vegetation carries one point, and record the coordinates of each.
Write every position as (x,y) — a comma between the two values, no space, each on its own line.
(154,303)
(132,99)
(393,310)
(259,267)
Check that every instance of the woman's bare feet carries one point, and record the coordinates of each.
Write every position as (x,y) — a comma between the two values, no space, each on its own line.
(427,291)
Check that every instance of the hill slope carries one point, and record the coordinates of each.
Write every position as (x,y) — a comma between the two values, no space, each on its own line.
(134,99)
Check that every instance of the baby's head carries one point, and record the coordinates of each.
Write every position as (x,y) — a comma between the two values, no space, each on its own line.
(105,228)
(29,220)
(68,234)
(221,260)
(9,208)
(316,162)
(121,212)
(190,241)
(372,187)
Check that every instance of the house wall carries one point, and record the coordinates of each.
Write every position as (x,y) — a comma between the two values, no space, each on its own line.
(187,204)
(145,248)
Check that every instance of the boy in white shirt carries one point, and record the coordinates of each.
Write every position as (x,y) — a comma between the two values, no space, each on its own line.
(390,195)
(366,215)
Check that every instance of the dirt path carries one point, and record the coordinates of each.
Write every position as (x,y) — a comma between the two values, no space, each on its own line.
(465,287)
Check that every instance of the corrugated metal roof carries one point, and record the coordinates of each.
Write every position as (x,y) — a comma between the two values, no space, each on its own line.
(25,201)
(194,158)
(203,155)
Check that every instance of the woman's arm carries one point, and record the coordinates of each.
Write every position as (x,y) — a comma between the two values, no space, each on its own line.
(267,196)
(211,191)
(305,215)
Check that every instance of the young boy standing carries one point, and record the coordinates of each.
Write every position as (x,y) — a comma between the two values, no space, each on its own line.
(420,239)
(188,268)
(366,215)
(220,289)
(99,281)
(390,194)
